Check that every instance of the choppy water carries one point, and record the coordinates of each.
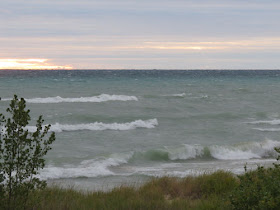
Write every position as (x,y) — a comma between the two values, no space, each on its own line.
(116,127)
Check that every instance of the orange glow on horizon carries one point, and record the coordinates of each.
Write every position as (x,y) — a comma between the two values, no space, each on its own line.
(32,63)
(264,43)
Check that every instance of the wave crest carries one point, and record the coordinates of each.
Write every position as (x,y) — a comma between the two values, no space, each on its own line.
(185,152)
(87,168)
(105,166)
(99,126)
(93,99)
(267,129)
(181,95)
(245,151)
(269,122)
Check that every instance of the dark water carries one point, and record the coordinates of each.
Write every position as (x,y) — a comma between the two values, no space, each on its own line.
(121,126)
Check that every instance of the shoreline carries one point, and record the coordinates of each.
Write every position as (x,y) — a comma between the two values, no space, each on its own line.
(199,192)
(107,183)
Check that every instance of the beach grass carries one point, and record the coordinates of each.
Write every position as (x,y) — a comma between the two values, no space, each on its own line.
(207,191)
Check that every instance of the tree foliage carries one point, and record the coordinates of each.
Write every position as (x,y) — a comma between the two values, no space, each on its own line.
(21,154)
(259,189)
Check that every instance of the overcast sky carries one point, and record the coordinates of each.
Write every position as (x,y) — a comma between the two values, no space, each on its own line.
(143,34)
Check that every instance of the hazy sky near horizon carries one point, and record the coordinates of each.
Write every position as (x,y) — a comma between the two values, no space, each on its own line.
(142,34)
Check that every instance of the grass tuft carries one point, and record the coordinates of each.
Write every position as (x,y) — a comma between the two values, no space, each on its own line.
(207,191)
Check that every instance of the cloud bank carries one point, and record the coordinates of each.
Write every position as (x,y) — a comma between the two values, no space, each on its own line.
(143,34)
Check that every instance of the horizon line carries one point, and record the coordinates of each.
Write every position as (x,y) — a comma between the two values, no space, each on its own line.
(153,69)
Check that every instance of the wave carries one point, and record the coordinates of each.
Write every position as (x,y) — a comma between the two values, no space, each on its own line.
(231,153)
(93,99)
(87,168)
(267,129)
(201,97)
(106,166)
(99,126)
(176,95)
(185,152)
(250,150)
(269,122)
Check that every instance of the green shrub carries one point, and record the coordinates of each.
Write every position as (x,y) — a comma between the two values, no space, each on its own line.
(21,155)
(259,189)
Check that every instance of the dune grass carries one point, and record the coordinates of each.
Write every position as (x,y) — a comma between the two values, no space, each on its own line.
(208,191)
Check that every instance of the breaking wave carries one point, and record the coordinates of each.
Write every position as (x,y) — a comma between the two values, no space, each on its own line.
(250,150)
(185,152)
(105,166)
(87,168)
(99,126)
(93,99)
(268,122)
(267,129)
(176,95)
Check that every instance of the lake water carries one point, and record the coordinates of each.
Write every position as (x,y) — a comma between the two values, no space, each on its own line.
(126,126)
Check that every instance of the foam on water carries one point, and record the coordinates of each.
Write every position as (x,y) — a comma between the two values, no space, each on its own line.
(198,111)
(227,153)
(99,126)
(87,168)
(185,152)
(162,172)
(245,151)
(176,95)
(251,152)
(179,95)
(201,97)
(267,129)
(93,99)
(184,169)
(269,122)
(248,150)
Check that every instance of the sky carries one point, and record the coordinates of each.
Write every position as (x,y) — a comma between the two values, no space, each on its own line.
(140,34)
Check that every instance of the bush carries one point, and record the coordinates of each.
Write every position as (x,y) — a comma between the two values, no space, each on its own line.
(21,155)
(259,189)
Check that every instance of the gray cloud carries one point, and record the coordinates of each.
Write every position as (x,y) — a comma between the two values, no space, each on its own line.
(106,32)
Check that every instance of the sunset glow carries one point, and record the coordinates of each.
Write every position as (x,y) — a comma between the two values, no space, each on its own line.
(123,34)
(262,43)
(31,63)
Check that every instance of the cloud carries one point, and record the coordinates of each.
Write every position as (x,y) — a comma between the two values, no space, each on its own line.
(105,52)
(139,18)
(31,63)
(143,34)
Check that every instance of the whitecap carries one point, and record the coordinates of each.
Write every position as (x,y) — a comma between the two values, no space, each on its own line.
(224,153)
(269,122)
(185,152)
(248,150)
(267,129)
(93,99)
(99,126)
(87,168)
(176,95)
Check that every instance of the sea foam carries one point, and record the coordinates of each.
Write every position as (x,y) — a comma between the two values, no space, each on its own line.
(102,166)
(269,122)
(99,126)
(87,168)
(267,129)
(231,153)
(185,152)
(93,99)
(245,151)
(176,95)
(273,122)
